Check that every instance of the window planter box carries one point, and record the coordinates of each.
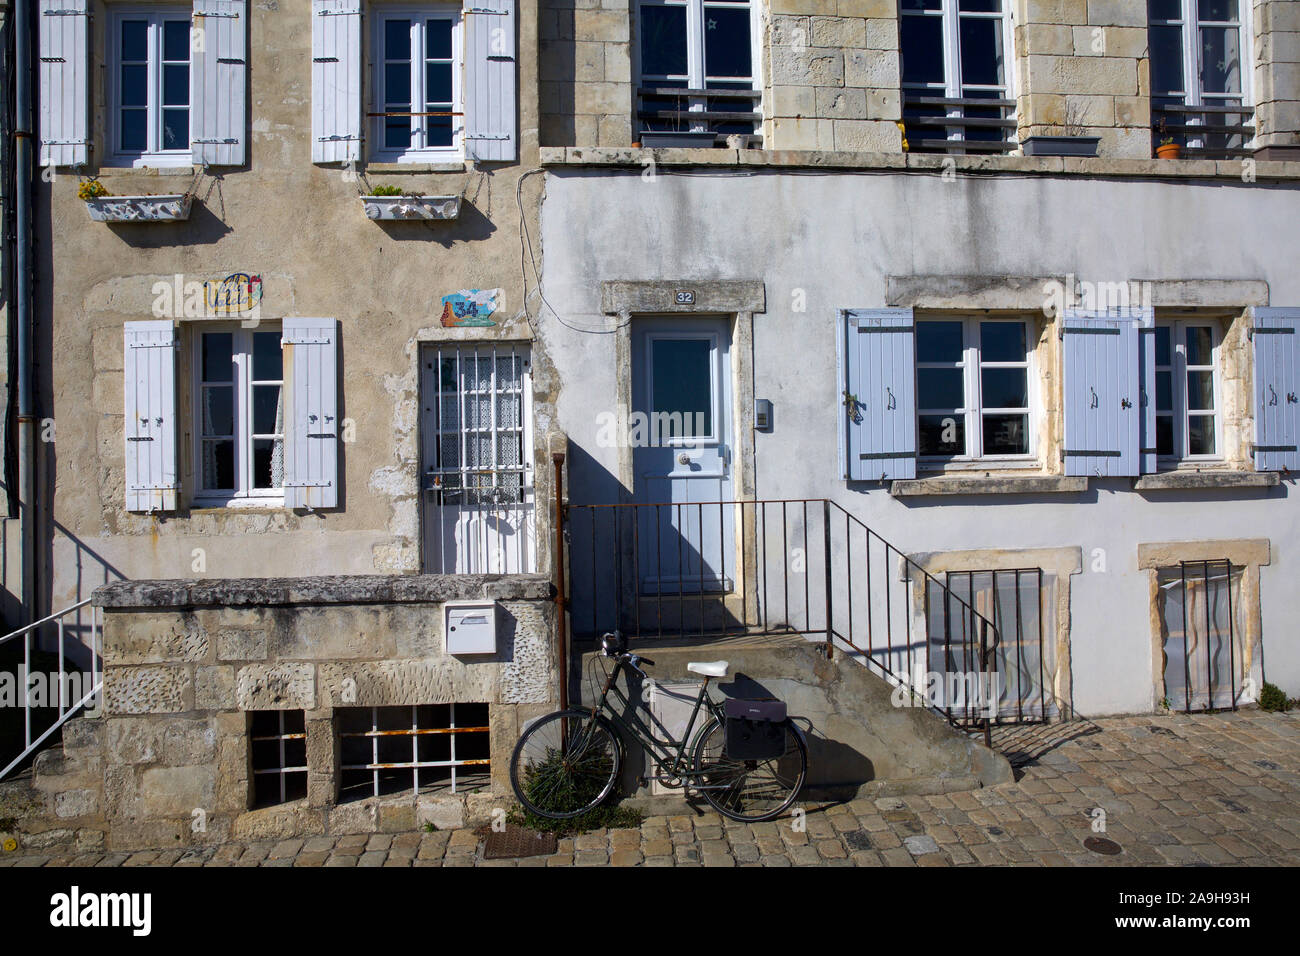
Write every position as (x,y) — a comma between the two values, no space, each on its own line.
(406,208)
(678,140)
(1061,145)
(173,208)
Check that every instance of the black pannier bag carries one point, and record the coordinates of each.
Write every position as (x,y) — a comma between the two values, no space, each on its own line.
(755,729)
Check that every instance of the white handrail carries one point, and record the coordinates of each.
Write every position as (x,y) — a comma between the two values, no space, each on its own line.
(65,711)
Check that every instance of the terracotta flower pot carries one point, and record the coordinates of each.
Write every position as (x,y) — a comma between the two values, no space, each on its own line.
(1169,150)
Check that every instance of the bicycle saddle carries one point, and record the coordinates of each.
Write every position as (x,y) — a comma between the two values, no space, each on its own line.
(708,668)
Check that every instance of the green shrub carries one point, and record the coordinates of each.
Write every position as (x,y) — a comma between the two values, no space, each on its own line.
(599,818)
(386,191)
(1271,698)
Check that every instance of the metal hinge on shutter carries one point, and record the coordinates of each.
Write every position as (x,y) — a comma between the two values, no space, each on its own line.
(877,455)
(154,345)
(229,16)
(481,11)
(338,13)
(501,136)
(286,340)
(214,142)
(66,13)
(307,484)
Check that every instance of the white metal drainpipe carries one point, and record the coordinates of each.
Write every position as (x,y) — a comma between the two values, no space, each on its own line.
(22,157)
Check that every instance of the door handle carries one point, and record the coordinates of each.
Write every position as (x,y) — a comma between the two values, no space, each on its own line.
(683,459)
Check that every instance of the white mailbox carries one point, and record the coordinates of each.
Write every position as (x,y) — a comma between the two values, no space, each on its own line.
(470,627)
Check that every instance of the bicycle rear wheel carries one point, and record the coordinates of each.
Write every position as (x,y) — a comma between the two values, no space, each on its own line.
(749,790)
(565,764)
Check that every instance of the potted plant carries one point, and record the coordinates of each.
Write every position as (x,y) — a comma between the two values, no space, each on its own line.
(105,207)
(1072,140)
(391,204)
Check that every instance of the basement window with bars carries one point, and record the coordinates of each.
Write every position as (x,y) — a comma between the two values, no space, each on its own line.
(1202,622)
(419,749)
(479,515)
(279,756)
(1018,603)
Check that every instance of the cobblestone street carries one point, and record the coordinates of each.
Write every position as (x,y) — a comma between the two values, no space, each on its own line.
(1206,789)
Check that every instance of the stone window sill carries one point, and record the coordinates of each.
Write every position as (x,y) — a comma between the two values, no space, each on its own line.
(1180,480)
(918,162)
(388,169)
(961,485)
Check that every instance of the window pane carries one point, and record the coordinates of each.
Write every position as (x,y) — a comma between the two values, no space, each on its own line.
(921,41)
(219,410)
(980,6)
(217,363)
(1200,435)
(1164,392)
(135,86)
(135,40)
(176,85)
(1002,341)
(439,131)
(397,132)
(397,39)
(726,42)
(1166,59)
(437,40)
(1200,345)
(268,357)
(1004,388)
(1164,435)
(663,41)
(1220,60)
(1166,9)
(942,434)
(268,463)
(922,4)
(940,388)
(268,414)
(939,341)
(1218,10)
(1006,434)
(176,40)
(981,51)
(397,85)
(219,465)
(1162,345)
(134,125)
(1200,391)
(682,382)
(176,129)
(437,84)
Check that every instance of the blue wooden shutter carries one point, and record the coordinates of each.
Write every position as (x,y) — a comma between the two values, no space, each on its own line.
(311,412)
(149,391)
(1147,362)
(1102,394)
(878,398)
(219,77)
(63,92)
(490,127)
(1276,336)
(335,81)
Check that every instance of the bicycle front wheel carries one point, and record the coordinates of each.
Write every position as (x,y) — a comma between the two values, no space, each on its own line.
(565,764)
(749,790)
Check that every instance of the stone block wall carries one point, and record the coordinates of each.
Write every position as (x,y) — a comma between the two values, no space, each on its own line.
(1277,78)
(585,72)
(186,661)
(1084,58)
(833,75)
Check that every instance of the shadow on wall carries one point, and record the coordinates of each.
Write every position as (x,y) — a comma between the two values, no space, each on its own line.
(470,226)
(201,229)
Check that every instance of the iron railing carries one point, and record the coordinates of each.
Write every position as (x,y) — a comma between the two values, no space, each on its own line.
(942,124)
(1207,638)
(802,566)
(65,687)
(711,115)
(1206,132)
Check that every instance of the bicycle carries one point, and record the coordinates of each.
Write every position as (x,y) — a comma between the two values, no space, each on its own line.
(567,762)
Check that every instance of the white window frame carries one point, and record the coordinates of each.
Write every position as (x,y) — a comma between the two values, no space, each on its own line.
(1193,91)
(973,411)
(953,86)
(418,15)
(1180,413)
(244,494)
(150,157)
(695,77)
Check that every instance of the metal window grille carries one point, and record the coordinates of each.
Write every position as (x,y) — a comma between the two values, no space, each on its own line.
(478,476)
(1199,604)
(1013,600)
(413,749)
(279,745)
